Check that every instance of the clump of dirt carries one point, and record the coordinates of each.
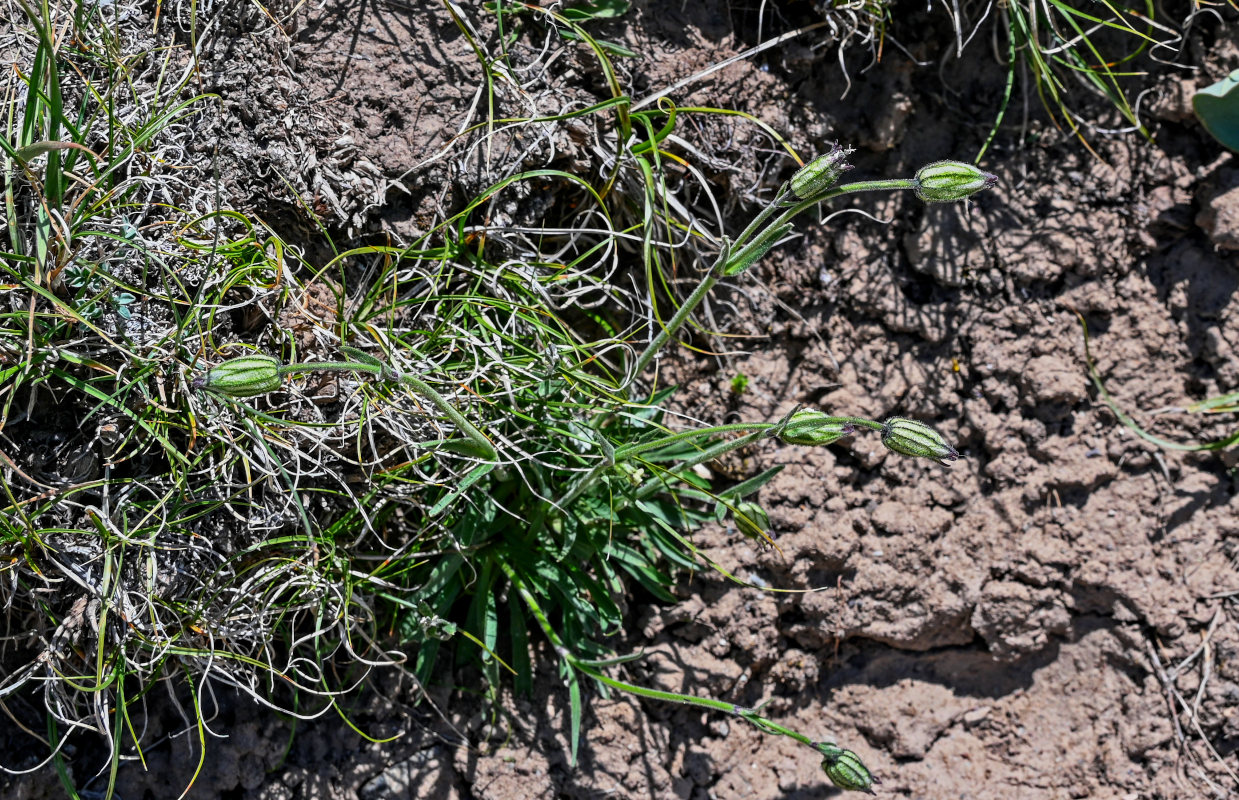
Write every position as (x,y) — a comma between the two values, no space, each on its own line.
(1053,617)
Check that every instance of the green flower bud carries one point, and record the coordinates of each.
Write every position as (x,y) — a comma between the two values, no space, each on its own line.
(814,428)
(947,181)
(245,376)
(914,438)
(845,769)
(821,173)
(752,520)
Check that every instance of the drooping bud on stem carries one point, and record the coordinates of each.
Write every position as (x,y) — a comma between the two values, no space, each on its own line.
(245,376)
(821,173)
(845,769)
(914,438)
(752,520)
(947,181)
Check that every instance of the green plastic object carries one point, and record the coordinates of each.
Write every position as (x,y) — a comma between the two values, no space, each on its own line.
(1217,107)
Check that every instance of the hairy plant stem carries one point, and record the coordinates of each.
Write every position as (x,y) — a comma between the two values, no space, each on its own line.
(678,319)
(709,454)
(736,252)
(478,445)
(736,427)
(589,668)
(732,253)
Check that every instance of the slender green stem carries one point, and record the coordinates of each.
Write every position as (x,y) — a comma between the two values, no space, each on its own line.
(735,254)
(886,184)
(479,446)
(669,330)
(634,449)
(759,430)
(658,694)
(593,475)
(709,454)
(736,427)
(890,184)
(748,714)
(765,214)
(766,725)
(534,607)
(483,447)
(722,448)
(853,775)
(329,366)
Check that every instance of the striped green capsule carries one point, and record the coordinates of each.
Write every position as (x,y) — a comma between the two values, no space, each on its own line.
(814,429)
(821,173)
(245,376)
(948,181)
(912,437)
(846,770)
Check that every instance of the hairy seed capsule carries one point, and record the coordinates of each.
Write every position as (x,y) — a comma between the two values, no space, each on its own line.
(914,438)
(947,181)
(845,769)
(821,173)
(814,429)
(245,376)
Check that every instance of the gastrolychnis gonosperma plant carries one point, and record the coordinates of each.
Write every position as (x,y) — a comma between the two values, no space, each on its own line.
(622,466)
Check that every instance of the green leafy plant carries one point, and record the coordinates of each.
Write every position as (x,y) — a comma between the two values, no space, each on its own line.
(93,292)
(627,492)
(1070,48)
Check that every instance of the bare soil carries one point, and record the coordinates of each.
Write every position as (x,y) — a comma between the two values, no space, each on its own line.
(1053,617)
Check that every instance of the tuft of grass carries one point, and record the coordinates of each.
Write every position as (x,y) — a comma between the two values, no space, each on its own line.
(1070,50)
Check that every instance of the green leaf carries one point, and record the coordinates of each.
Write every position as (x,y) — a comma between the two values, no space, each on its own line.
(746,488)
(600,9)
(521,662)
(610,47)
(602,663)
(361,356)
(574,703)
(1217,106)
(31,151)
(1224,402)
(473,477)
